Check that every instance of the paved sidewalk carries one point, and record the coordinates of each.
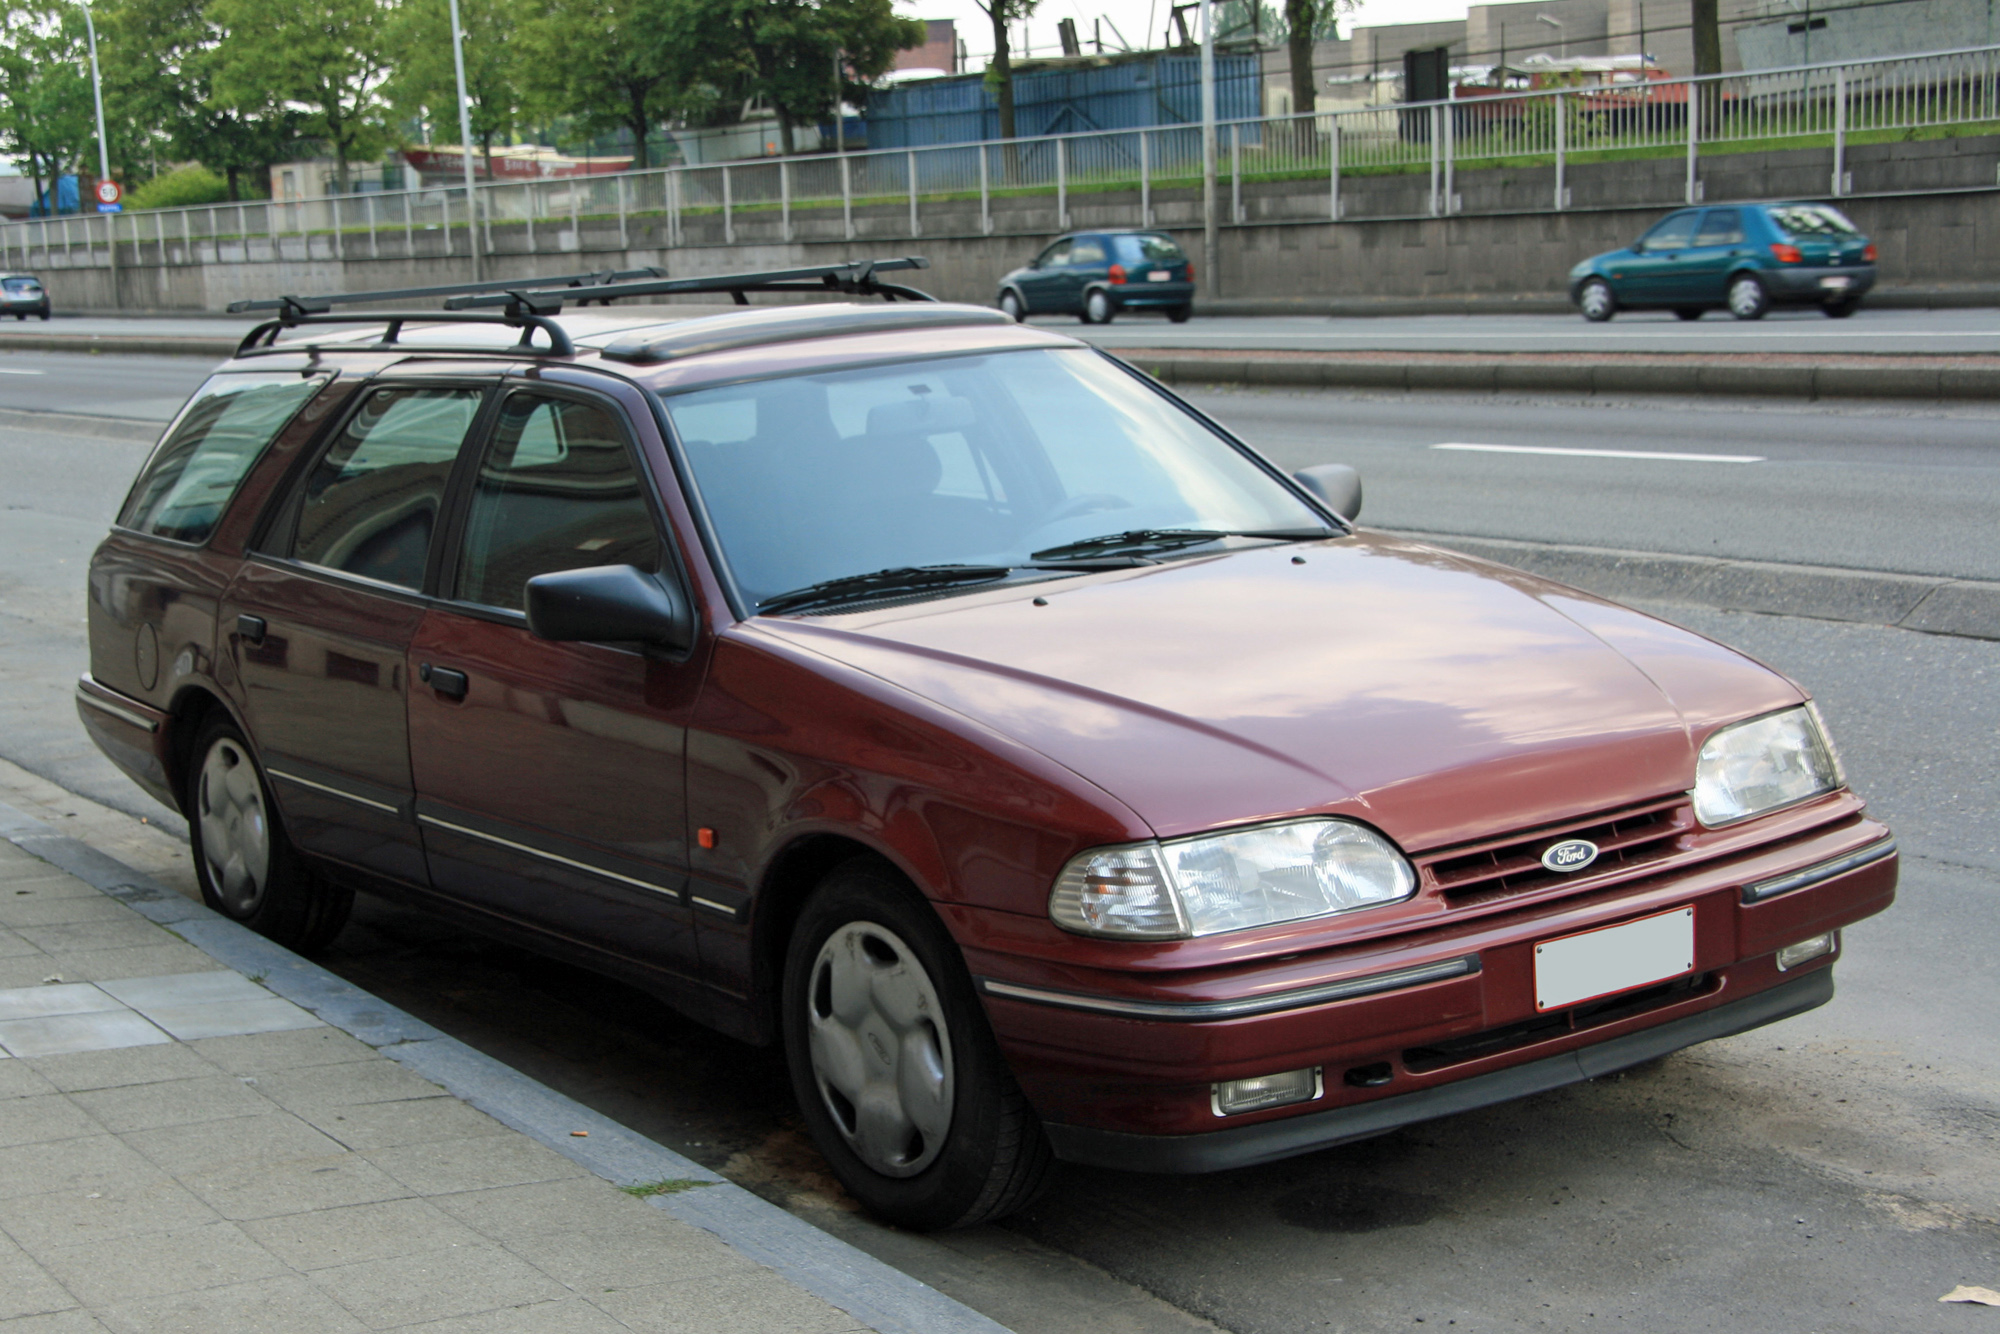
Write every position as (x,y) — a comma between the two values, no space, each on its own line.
(181,1148)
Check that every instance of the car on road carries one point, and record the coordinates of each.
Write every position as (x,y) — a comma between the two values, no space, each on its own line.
(22,295)
(1051,774)
(1742,258)
(1095,275)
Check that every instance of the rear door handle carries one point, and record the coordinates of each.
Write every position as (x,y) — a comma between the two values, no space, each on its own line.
(444,680)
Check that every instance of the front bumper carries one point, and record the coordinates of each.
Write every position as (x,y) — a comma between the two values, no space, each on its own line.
(1832,282)
(1414,1024)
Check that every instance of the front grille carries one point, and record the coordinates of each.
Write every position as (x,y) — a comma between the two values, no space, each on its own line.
(1630,837)
(1541,1028)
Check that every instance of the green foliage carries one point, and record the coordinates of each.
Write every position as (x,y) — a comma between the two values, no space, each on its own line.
(425,82)
(327,56)
(180,189)
(619,64)
(672,1186)
(787,50)
(45,102)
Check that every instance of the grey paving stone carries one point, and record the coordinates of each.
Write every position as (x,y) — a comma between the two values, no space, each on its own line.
(214,1097)
(28,969)
(106,1273)
(451,1166)
(266,1189)
(76,1071)
(229,1018)
(12,946)
(43,1001)
(387,1125)
(263,1054)
(142,961)
(78,1321)
(455,1281)
(380,1080)
(37,879)
(18,910)
(145,994)
(570,1315)
(23,1079)
(286,1305)
(37,1120)
(118,933)
(126,1206)
(85,1164)
(27,1289)
(359,1232)
(78,1032)
(577,1204)
(735,1302)
(185,1151)
(629,1257)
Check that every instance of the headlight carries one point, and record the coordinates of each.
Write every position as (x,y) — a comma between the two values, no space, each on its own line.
(1763,764)
(1228,882)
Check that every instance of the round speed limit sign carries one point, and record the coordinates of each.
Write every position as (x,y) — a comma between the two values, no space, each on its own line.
(108,192)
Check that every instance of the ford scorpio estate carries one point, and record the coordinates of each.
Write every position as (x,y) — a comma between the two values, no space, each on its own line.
(1052,775)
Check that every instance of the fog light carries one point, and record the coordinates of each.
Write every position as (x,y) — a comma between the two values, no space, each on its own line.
(1253,1095)
(1807,950)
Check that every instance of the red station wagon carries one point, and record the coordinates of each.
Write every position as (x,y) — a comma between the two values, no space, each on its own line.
(1054,776)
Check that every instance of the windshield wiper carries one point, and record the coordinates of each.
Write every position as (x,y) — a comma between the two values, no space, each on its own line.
(1166,539)
(867,587)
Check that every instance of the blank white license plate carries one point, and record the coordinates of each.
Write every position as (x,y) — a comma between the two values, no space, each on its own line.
(1604,962)
(1835,284)
(1159,276)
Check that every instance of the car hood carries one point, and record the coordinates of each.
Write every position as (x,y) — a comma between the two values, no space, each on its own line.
(1439,697)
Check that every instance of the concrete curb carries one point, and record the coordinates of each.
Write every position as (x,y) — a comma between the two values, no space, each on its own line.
(1504,373)
(884,1298)
(1956,297)
(76,423)
(1967,608)
(137,345)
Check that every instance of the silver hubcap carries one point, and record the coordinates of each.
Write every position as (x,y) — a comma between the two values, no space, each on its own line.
(1010,306)
(233,827)
(1744,298)
(879,1050)
(1596,300)
(1100,309)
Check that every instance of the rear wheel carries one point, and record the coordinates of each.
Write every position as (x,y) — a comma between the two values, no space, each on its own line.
(247,868)
(1097,307)
(1840,310)
(1011,307)
(1687,312)
(1596,301)
(1179,314)
(1747,298)
(896,1072)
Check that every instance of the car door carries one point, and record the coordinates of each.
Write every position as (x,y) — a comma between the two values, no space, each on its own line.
(1652,274)
(318,621)
(1089,262)
(1042,287)
(1703,269)
(550,776)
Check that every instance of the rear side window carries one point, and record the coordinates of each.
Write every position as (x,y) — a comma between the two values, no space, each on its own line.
(1721,226)
(1812,220)
(1148,250)
(193,475)
(372,502)
(556,491)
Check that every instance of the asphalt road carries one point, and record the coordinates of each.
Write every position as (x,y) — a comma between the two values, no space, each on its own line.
(1902,332)
(1836,1173)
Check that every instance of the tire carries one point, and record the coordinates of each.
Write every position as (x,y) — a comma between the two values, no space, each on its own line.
(1747,298)
(1597,301)
(1179,314)
(1097,307)
(247,867)
(953,1141)
(1840,310)
(45,315)
(1011,307)
(1689,312)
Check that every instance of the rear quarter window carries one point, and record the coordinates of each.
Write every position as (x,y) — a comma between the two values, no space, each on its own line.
(1813,220)
(191,478)
(1148,249)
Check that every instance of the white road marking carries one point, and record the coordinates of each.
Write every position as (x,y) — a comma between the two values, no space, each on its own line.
(9,370)
(1602,453)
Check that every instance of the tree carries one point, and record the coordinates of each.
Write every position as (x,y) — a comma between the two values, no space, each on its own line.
(618,64)
(325,56)
(1000,74)
(426,80)
(786,47)
(45,103)
(1308,21)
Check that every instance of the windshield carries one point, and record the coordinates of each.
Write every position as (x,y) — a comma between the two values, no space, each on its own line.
(22,286)
(1812,220)
(980,461)
(1147,250)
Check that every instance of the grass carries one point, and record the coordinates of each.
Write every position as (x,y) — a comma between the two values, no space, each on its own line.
(671,1186)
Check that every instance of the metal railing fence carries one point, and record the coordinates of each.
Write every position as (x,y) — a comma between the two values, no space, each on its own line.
(888,193)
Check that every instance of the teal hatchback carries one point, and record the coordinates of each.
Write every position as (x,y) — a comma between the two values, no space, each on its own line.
(1743,258)
(1094,275)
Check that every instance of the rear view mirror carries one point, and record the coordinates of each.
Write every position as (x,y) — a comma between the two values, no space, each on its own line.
(609,604)
(1337,486)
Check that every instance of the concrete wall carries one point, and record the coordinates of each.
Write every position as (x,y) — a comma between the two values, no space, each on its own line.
(1929,206)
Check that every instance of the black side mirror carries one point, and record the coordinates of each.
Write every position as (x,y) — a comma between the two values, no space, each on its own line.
(1337,486)
(1638,247)
(609,604)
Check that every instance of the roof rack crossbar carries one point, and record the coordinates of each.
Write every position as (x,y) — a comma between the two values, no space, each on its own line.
(856,278)
(299,306)
(527,316)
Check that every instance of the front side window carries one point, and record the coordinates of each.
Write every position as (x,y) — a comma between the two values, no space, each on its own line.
(1055,256)
(982,460)
(372,502)
(1721,226)
(1673,234)
(557,490)
(1087,253)
(193,475)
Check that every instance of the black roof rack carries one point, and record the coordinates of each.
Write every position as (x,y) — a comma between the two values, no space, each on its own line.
(855,278)
(263,340)
(300,306)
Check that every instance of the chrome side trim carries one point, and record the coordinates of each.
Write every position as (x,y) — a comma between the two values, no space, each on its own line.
(1347,989)
(122,714)
(1813,875)
(548,856)
(332,791)
(723,908)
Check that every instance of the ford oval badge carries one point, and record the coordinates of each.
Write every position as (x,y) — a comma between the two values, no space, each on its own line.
(1572,854)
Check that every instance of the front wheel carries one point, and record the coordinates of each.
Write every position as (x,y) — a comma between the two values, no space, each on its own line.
(1179,314)
(1011,307)
(1097,307)
(1747,298)
(897,1075)
(1596,301)
(247,868)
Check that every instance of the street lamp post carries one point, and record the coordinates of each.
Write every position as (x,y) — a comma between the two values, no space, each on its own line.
(1209,246)
(465,141)
(97,93)
(1562,34)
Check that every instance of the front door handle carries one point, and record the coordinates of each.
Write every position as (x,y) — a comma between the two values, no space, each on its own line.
(250,629)
(444,680)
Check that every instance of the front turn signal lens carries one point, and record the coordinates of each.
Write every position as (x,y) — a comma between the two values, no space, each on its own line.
(1807,950)
(1237,1096)
(1787,254)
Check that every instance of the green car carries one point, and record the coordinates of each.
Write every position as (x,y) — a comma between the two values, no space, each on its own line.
(1742,258)
(1094,275)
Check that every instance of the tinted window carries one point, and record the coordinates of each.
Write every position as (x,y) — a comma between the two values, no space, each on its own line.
(1055,256)
(372,501)
(1088,253)
(194,474)
(1812,220)
(1148,250)
(1672,234)
(556,491)
(1721,226)
(22,286)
